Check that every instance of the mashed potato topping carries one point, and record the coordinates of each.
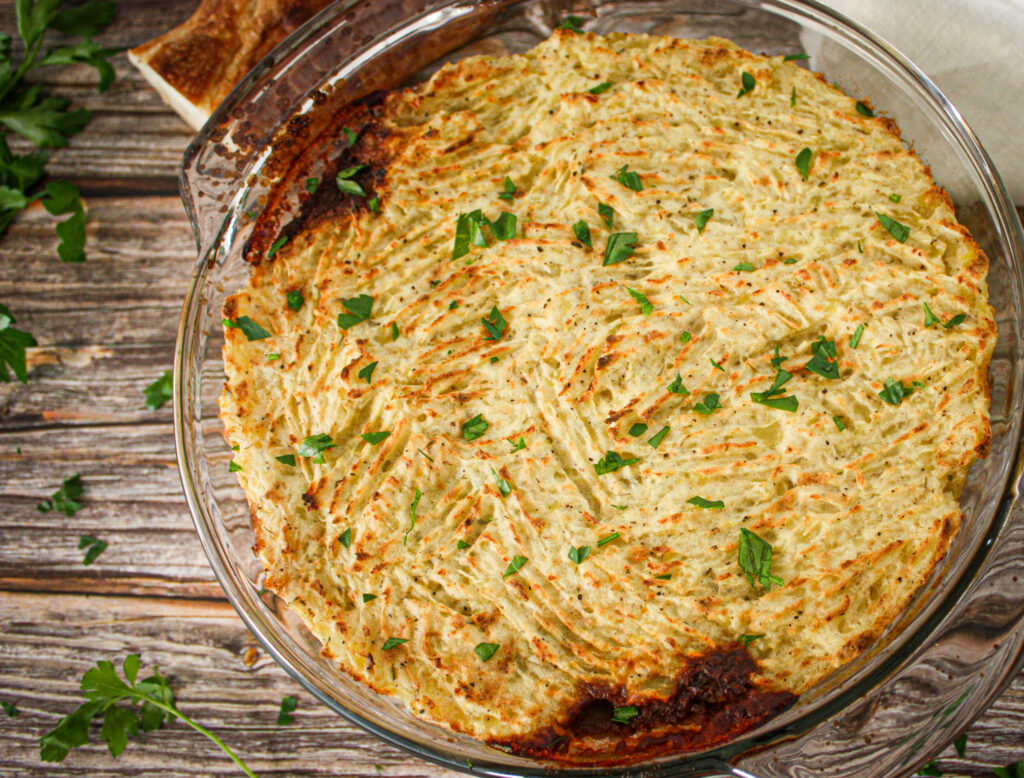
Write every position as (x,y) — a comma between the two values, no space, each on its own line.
(618,391)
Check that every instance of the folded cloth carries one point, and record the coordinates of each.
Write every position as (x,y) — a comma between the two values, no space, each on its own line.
(974,52)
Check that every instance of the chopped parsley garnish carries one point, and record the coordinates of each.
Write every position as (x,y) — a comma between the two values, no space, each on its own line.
(792,98)
(352,136)
(930,318)
(474,428)
(312,184)
(367,372)
(857,334)
(685,337)
(494,323)
(315,444)
(345,538)
(839,423)
(582,232)
(510,189)
(899,231)
(748,639)
(794,57)
(412,515)
(486,650)
(755,558)
(620,507)
(514,566)
(295,299)
(425,454)
(13,343)
(860,247)
(709,404)
(803,162)
(608,539)
(577,555)
(895,391)
(518,445)
(504,227)
(92,547)
(234,467)
(345,182)
(895,197)
(391,643)
(373,204)
(157,393)
(637,430)
(665,577)
(284,715)
(572,23)
(717,365)
(286,459)
(625,715)
(789,261)
(824,362)
(744,267)
(604,86)
(249,328)
(628,178)
(960,318)
(66,498)
(503,485)
(659,436)
(788,403)
(612,461)
(468,229)
(863,110)
(360,309)
(619,247)
(676,387)
(10,708)
(777,360)
(394,331)
(462,544)
(748,83)
(646,306)
(373,438)
(276,246)
(607,213)
(702,219)
(700,502)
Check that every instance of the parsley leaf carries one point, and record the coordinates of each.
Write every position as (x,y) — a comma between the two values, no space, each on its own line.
(702,218)
(646,307)
(895,197)
(803,162)
(361,308)
(514,566)
(10,708)
(286,459)
(824,361)
(249,328)
(582,232)
(373,204)
(494,323)
(930,769)
(717,365)
(960,318)
(857,334)
(95,548)
(345,538)
(659,436)
(604,86)
(755,558)
(391,643)
(700,502)
(676,387)
(794,57)
(788,403)
(628,178)
(899,231)
(315,444)
(612,461)
(63,198)
(619,247)
(412,515)
(504,227)
(518,445)
(748,83)
(895,391)
(158,392)
(485,650)
(792,98)
(312,184)
(369,598)
(394,331)
(577,555)
(351,135)
(748,639)
(373,438)
(961,745)
(930,318)
(510,189)
(503,485)
(607,213)
(234,467)
(709,404)
(66,498)
(295,299)
(685,337)
(637,430)
(468,229)
(474,428)
(103,689)
(284,714)
(345,182)
(572,23)
(608,539)
(276,246)
(863,109)
(367,372)
(839,423)
(744,267)
(625,715)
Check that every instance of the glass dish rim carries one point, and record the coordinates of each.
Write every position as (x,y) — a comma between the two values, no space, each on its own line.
(715,759)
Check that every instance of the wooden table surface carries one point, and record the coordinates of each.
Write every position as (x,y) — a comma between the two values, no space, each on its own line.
(106,330)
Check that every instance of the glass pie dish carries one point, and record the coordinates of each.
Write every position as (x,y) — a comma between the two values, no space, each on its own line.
(936,668)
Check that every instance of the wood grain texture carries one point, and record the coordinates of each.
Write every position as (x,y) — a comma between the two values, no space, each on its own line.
(106,329)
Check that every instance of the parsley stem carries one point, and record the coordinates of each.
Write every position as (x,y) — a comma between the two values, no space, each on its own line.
(198,728)
(26,65)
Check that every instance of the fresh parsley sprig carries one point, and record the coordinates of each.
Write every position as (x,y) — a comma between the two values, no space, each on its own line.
(105,692)
(13,343)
